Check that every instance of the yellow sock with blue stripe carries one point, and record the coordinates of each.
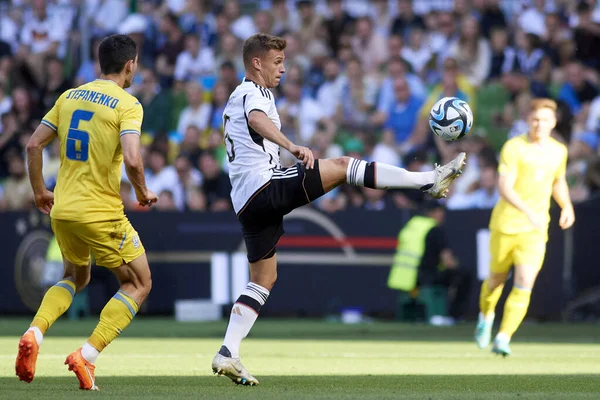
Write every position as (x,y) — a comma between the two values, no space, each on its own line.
(515,309)
(488,299)
(115,317)
(56,301)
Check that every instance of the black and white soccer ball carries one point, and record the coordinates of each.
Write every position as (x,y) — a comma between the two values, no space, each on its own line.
(451,118)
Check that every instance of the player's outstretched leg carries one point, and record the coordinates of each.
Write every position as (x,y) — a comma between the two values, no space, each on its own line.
(56,301)
(115,317)
(377,175)
(263,274)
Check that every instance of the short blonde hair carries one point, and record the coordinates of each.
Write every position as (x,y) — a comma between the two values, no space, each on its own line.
(259,44)
(537,104)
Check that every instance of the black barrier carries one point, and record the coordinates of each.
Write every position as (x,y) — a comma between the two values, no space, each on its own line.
(327,261)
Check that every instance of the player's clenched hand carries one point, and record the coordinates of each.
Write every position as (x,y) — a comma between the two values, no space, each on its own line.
(567,217)
(537,221)
(303,154)
(44,201)
(147,199)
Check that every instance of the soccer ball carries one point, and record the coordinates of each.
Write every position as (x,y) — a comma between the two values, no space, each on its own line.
(451,118)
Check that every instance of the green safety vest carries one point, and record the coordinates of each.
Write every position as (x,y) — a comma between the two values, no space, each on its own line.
(410,250)
(53,253)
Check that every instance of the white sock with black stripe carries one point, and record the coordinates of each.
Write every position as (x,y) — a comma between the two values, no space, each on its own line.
(243,315)
(384,176)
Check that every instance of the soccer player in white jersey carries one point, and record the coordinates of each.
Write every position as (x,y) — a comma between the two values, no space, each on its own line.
(264,191)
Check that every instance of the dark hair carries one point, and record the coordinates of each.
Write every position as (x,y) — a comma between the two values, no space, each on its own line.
(114,52)
(259,44)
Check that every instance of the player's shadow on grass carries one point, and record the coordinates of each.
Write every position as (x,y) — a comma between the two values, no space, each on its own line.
(314,387)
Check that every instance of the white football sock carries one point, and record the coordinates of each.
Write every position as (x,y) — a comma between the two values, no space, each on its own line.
(89,352)
(377,175)
(39,336)
(243,315)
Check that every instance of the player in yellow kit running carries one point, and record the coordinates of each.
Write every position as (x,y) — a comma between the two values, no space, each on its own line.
(532,170)
(98,126)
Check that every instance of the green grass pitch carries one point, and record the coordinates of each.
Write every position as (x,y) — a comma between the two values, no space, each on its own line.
(307,359)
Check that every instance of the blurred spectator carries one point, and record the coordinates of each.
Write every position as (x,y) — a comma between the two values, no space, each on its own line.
(284,21)
(311,23)
(577,91)
(369,45)
(587,36)
(188,178)
(241,26)
(168,52)
(197,112)
(329,93)
(41,36)
(219,100)
(406,20)
(107,16)
(161,177)
(55,84)
(491,17)
(472,52)
(166,201)
(401,116)
(299,113)
(593,120)
(442,31)
(532,19)
(337,24)
(18,194)
(230,51)
(484,196)
(396,68)
(374,200)
(156,104)
(90,69)
(216,185)
(417,52)
(528,57)
(195,61)
(358,97)
(190,144)
(28,115)
(500,50)
(263,21)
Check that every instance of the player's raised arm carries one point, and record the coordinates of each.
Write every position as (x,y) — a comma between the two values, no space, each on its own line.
(134,166)
(44,134)
(262,124)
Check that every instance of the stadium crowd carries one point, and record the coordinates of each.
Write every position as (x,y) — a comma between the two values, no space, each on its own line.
(361,78)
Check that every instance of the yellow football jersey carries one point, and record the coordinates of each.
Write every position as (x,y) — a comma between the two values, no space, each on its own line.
(536,167)
(89,122)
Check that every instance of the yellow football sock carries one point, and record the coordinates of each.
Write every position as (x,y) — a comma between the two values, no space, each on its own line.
(115,317)
(514,310)
(56,301)
(489,298)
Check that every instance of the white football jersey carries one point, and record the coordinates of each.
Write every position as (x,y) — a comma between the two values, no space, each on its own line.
(252,158)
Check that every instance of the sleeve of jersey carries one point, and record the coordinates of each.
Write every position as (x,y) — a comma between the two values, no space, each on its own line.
(508,160)
(51,118)
(131,120)
(260,100)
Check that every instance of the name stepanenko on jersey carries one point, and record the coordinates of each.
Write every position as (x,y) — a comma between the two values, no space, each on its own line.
(252,158)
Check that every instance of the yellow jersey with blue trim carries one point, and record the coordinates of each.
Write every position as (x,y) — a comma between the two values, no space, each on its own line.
(536,167)
(89,121)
